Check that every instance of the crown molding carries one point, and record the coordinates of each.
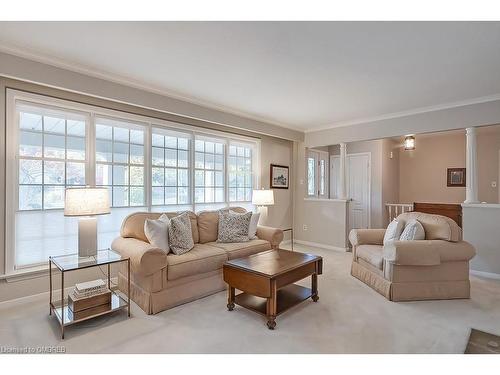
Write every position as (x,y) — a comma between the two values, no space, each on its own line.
(411,112)
(40,57)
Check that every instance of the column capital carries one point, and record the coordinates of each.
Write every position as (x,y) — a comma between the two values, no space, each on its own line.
(471,130)
(343,144)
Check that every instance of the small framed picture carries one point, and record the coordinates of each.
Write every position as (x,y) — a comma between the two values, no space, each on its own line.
(279,176)
(455,177)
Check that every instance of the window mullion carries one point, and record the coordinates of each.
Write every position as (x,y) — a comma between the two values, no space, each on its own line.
(90,176)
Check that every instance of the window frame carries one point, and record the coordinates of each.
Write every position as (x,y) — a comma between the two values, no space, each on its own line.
(318,179)
(92,113)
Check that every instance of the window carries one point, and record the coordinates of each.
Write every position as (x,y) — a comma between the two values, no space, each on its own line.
(209,170)
(311,176)
(170,172)
(317,173)
(51,155)
(120,161)
(147,164)
(240,173)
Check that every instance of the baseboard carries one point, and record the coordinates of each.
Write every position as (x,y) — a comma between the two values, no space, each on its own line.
(488,275)
(43,295)
(322,246)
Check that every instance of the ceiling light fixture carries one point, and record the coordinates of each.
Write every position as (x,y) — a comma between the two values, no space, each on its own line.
(409,143)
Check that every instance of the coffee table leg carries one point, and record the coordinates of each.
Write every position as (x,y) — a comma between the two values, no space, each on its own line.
(314,287)
(230,298)
(272,307)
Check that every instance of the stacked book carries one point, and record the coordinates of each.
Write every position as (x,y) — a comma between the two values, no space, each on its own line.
(89,289)
(89,298)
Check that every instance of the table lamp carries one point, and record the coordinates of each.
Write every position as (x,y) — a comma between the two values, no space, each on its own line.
(87,202)
(263,198)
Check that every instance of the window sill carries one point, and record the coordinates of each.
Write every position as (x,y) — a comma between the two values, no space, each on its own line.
(25,274)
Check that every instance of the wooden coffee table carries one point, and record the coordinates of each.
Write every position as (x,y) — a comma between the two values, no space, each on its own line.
(266,281)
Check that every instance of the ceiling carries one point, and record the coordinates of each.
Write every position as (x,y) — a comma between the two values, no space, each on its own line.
(302,75)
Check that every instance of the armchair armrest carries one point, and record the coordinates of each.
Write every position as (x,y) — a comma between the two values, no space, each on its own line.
(366,237)
(273,235)
(428,252)
(145,259)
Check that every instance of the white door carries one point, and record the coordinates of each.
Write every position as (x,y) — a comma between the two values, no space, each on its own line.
(358,190)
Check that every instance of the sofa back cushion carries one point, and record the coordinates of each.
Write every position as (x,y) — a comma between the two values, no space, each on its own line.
(133,224)
(436,227)
(208,224)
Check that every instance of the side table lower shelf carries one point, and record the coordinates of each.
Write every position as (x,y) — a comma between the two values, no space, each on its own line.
(117,303)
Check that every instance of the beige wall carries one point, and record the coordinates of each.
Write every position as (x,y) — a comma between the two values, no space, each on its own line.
(422,172)
(273,150)
(278,151)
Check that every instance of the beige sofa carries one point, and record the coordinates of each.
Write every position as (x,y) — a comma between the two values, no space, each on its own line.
(160,281)
(434,268)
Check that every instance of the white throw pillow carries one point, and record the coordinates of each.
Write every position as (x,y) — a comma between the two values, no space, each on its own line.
(252,229)
(413,231)
(156,232)
(394,230)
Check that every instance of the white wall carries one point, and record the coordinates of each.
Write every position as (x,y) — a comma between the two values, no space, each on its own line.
(480,225)
(324,219)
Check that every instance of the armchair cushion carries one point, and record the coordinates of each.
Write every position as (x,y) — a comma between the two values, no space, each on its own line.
(145,259)
(428,252)
(371,254)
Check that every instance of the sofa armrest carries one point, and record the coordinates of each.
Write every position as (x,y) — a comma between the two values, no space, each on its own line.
(427,252)
(366,237)
(272,235)
(145,259)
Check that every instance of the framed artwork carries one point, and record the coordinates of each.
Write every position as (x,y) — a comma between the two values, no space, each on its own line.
(455,177)
(279,177)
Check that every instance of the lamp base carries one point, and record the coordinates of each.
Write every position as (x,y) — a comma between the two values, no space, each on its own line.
(87,237)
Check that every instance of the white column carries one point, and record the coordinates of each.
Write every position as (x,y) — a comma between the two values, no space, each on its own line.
(471,167)
(342,177)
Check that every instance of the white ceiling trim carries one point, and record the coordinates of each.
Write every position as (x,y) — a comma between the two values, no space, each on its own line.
(40,57)
(416,111)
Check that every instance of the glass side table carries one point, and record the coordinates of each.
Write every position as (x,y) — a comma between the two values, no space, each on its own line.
(72,262)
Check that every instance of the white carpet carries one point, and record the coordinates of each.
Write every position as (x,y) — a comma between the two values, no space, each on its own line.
(349,318)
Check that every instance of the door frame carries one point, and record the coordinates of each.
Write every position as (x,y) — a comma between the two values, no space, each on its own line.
(369,154)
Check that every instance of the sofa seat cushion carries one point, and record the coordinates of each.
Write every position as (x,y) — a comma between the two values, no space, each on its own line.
(371,254)
(201,259)
(242,249)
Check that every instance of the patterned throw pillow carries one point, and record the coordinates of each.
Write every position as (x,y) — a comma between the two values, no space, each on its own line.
(233,227)
(179,234)
(414,231)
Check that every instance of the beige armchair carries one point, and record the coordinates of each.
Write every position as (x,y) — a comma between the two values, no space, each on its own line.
(434,268)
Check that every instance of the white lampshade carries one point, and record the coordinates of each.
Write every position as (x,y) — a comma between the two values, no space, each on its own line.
(86,201)
(263,197)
